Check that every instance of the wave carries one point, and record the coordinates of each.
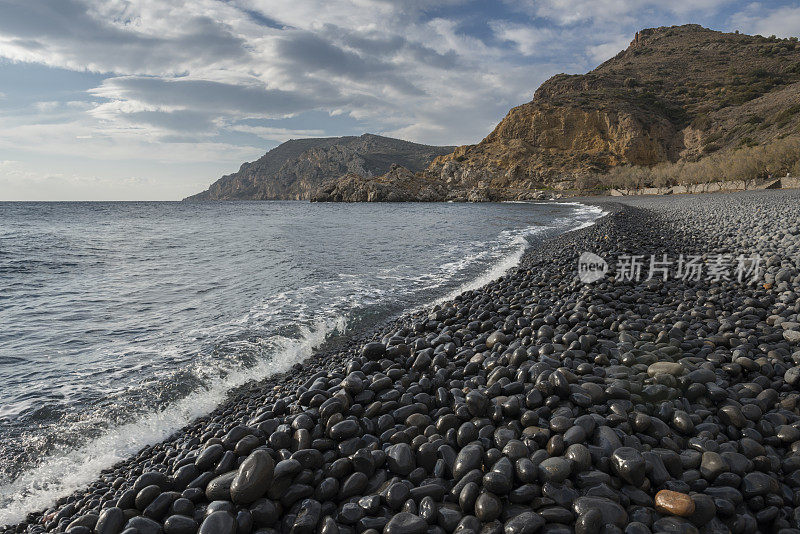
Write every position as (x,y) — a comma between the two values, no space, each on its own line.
(521,243)
(37,488)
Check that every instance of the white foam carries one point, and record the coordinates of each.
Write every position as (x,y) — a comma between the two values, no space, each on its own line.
(512,259)
(62,474)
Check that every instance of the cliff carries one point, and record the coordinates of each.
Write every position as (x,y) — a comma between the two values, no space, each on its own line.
(295,169)
(675,94)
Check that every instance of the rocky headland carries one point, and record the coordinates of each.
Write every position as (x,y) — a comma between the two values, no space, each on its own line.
(536,403)
(295,170)
(676,94)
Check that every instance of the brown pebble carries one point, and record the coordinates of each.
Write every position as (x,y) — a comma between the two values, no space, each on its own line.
(675,503)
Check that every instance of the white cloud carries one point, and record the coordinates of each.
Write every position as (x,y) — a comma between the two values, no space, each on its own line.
(528,40)
(277,134)
(567,12)
(604,51)
(760,19)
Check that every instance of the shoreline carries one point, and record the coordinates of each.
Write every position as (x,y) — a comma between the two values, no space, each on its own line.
(95,450)
(495,361)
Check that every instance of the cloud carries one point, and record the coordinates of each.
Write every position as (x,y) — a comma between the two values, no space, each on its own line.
(115,37)
(567,12)
(605,51)
(252,99)
(528,40)
(277,134)
(760,19)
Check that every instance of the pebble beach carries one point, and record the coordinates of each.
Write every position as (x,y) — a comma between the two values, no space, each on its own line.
(537,403)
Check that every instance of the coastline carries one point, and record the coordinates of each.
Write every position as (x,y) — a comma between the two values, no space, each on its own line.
(429,355)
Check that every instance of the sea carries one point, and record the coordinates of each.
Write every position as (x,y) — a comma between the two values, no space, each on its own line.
(120,322)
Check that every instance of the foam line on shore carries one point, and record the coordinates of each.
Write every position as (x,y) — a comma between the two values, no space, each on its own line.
(37,488)
(512,260)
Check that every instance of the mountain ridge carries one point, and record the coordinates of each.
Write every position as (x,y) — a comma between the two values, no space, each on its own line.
(294,170)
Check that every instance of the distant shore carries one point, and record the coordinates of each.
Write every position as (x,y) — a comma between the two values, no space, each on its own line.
(537,402)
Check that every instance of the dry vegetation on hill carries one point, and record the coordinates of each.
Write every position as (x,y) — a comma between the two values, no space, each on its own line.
(748,164)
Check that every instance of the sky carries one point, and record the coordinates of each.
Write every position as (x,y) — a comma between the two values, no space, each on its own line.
(155,99)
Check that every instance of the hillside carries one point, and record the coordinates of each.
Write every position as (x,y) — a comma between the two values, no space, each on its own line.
(676,94)
(295,169)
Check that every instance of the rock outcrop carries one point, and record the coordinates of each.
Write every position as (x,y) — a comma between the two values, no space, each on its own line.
(397,185)
(295,169)
(675,94)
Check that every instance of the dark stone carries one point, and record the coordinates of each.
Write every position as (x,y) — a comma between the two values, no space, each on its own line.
(180,524)
(219,522)
(488,507)
(405,523)
(253,478)
(524,523)
(629,465)
(610,511)
(110,521)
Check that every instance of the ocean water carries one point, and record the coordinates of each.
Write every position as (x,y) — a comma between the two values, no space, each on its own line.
(120,322)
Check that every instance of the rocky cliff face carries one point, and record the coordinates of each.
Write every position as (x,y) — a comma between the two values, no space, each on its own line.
(677,93)
(295,169)
(397,185)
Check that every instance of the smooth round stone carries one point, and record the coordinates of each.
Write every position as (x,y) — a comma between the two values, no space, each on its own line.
(180,524)
(183,506)
(253,478)
(265,513)
(110,521)
(757,483)
(219,489)
(353,485)
(143,525)
(732,415)
(524,523)
(151,478)
(665,368)
(629,465)
(89,521)
(405,523)
(396,495)
(373,351)
(400,459)
(350,513)
(219,523)
(469,458)
(674,503)
(555,470)
(468,496)
(589,523)
(209,456)
(610,511)
(488,507)
(147,495)
(344,430)
(792,376)
(477,403)
(712,465)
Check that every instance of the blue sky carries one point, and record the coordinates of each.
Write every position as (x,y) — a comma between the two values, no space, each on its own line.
(154,100)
